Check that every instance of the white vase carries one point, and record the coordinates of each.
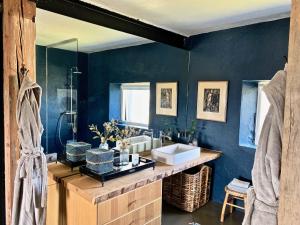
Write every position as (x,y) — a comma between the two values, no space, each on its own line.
(104,146)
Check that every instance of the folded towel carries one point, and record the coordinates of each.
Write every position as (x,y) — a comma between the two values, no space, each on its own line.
(237,189)
(240,183)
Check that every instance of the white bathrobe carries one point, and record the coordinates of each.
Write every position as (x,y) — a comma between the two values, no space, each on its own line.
(262,199)
(30,189)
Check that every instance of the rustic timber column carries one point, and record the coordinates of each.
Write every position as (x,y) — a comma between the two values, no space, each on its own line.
(289,205)
(19,48)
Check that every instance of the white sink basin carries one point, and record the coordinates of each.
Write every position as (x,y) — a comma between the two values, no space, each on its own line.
(142,143)
(176,154)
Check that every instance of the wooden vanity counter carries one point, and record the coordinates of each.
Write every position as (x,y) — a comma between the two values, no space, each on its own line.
(92,190)
(57,171)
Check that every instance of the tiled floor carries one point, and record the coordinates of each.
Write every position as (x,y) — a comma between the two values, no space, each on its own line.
(207,215)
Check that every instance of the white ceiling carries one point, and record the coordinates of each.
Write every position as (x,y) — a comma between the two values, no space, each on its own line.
(52,28)
(190,17)
(181,16)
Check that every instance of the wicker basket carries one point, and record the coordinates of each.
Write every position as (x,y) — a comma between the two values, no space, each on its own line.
(188,190)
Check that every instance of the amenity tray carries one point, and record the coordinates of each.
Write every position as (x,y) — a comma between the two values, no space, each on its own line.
(119,171)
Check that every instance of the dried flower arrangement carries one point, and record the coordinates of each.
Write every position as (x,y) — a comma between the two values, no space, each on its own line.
(109,131)
(113,133)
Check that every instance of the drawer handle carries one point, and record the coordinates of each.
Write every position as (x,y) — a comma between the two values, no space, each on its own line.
(131,203)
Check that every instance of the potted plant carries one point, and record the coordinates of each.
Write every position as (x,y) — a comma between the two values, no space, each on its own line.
(192,139)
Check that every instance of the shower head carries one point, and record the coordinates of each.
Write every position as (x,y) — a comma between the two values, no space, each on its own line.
(74,70)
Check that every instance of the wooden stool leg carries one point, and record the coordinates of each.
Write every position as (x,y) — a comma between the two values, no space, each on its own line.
(231,202)
(245,204)
(224,208)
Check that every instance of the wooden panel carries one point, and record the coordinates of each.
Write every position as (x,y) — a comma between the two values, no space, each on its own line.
(51,181)
(123,204)
(19,48)
(79,211)
(289,203)
(56,202)
(63,199)
(53,211)
(141,216)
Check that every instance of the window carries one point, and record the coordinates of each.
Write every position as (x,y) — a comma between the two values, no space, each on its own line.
(254,108)
(135,101)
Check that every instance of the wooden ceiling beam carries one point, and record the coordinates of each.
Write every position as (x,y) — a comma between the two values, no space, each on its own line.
(102,17)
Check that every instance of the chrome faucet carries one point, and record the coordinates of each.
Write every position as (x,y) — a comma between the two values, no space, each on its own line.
(149,133)
(163,137)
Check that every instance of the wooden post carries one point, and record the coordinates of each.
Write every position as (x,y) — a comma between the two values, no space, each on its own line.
(289,204)
(19,48)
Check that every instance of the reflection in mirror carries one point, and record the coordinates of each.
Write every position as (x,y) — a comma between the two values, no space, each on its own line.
(58,77)
(63,54)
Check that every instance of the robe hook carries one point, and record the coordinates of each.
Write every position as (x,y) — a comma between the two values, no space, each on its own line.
(24,71)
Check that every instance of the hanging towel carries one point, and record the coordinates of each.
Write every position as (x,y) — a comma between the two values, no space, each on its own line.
(262,198)
(30,189)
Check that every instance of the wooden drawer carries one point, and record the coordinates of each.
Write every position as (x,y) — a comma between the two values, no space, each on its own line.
(128,202)
(144,215)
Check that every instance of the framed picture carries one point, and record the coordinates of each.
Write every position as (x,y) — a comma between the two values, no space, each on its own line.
(212,100)
(166,99)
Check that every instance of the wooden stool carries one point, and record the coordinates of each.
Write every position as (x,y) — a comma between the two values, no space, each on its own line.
(229,200)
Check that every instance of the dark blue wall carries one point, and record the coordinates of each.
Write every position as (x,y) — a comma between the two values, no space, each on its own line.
(247,53)
(59,64)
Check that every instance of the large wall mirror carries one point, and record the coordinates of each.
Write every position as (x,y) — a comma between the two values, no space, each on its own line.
(70,58)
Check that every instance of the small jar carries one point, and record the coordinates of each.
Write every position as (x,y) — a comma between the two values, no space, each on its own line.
(124,157)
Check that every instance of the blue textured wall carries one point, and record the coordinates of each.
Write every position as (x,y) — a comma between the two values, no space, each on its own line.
(151,63)
(248,53)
